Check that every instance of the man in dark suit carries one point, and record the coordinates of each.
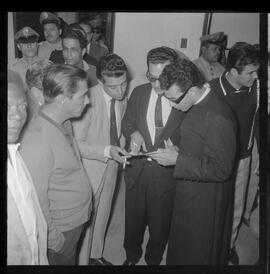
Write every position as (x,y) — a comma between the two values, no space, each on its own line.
(204,164)
(149,122)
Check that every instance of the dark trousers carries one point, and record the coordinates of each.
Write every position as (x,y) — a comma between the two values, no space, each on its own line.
(69,252)
(149,202)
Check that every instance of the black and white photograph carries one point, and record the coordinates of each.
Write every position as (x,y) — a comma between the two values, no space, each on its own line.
(138,139)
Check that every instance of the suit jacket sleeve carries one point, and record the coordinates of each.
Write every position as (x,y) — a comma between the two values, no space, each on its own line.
(39,160)
(80,130)
(217,160)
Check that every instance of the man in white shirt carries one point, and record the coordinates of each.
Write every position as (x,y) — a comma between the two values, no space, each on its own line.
(208,62)
(52,31)
(27,228)
(98,134)
(149,122)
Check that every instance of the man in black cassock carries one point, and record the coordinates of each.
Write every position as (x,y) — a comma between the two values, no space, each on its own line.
(204,164)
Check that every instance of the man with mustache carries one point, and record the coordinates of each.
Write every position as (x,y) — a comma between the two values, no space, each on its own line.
(52,31)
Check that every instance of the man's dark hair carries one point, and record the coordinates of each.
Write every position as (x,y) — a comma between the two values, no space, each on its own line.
(75,31)
(160,55)
(111,65)
(61,79)
(242,54)
(183,73)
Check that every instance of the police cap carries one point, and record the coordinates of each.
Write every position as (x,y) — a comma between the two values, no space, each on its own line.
(215,38)
(48,17)
(26,35)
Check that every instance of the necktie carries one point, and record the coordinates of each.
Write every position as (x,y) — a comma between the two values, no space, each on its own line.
(158,117)
(113,129)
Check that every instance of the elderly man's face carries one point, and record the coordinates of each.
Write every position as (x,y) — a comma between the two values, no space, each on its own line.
(17,105)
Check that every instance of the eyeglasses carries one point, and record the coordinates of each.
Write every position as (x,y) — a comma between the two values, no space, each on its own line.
(151,78)
(96,31)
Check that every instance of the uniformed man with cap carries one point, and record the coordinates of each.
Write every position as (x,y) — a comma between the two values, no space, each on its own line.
(52,31)
(211,46)
(27,42)
(97,47)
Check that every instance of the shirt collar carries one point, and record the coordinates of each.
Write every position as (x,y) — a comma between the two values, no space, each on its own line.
(227,88)
(207,90)
(85,66)
(107,97)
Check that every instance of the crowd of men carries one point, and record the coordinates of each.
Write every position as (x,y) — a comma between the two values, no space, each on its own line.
(182,139)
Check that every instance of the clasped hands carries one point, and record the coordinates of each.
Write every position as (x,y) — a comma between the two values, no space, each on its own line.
(165,157)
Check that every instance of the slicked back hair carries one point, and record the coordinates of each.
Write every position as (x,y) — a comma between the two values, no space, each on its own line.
(183,73)
(111,65)
(242,54)
(62,79)
(161,55)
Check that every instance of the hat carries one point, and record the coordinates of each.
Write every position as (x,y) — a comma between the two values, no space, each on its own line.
(48,17)
(214,38)
(96,22)
(26,35)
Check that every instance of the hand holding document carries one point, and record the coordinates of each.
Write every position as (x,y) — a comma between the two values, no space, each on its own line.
(167,156)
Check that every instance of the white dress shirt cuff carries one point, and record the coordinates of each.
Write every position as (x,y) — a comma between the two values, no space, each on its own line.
(107,151)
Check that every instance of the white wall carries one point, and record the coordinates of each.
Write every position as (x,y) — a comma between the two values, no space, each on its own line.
(240,27)
(137,33)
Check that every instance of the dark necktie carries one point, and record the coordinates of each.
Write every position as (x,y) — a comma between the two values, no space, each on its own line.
(158,117)
(113,129)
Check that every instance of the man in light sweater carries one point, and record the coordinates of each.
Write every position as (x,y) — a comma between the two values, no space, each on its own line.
(53,158)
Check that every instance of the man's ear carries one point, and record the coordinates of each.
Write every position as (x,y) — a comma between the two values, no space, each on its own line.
(234,72)
(60,31)
(60,99)
(203,49)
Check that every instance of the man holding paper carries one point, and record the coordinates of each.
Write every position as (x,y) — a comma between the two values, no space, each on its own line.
(148,122)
